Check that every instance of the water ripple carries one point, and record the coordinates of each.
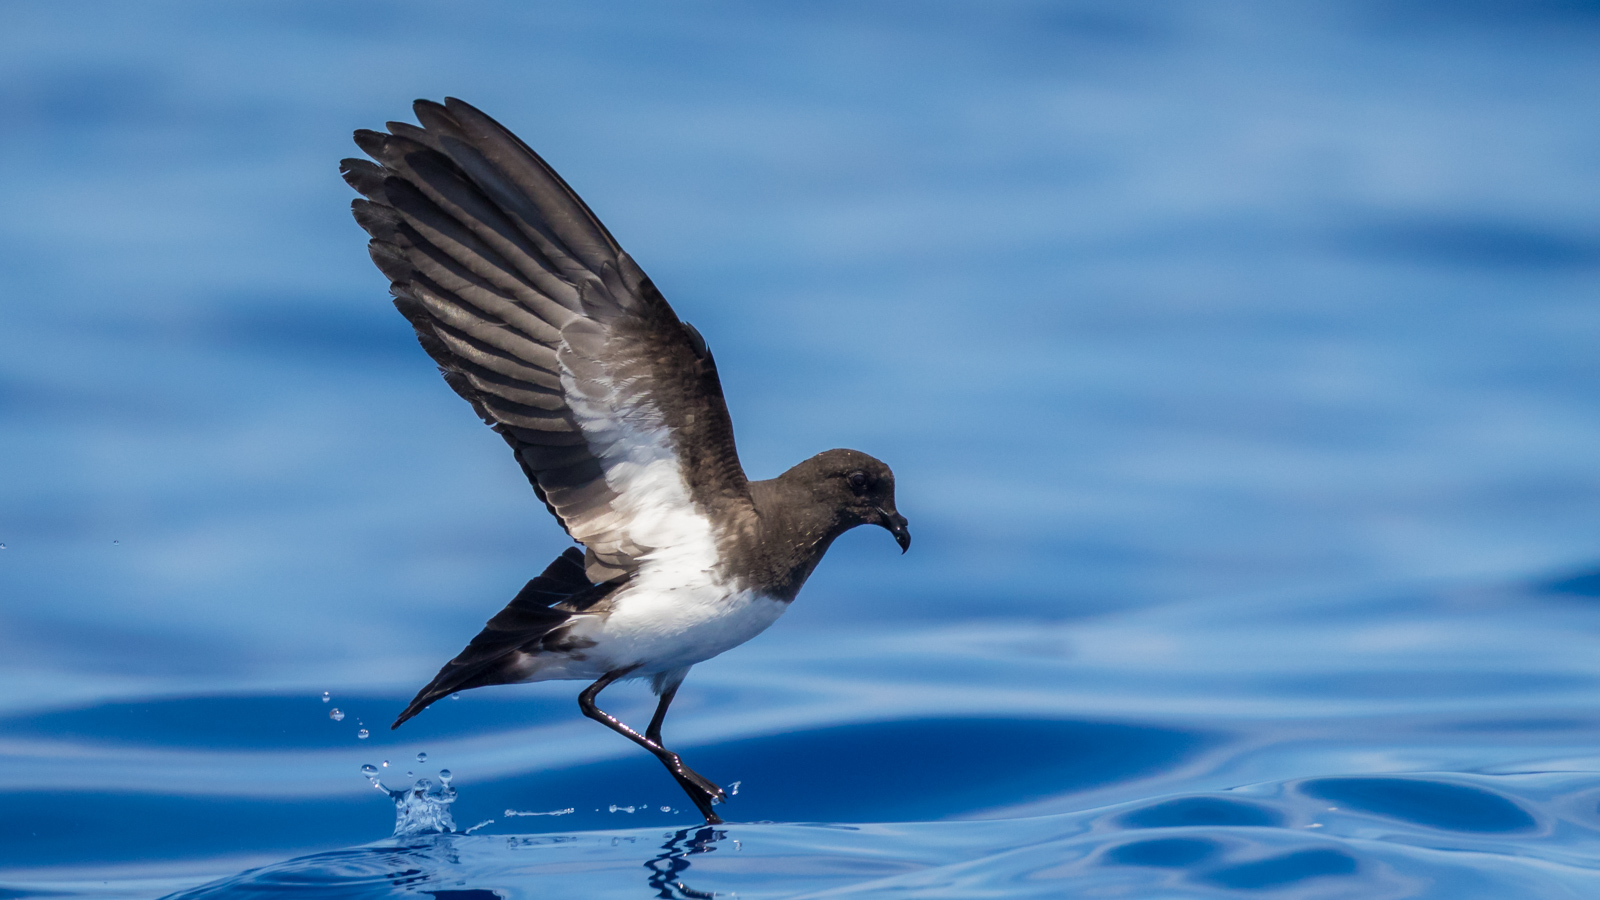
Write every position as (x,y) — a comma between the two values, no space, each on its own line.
(1414,836)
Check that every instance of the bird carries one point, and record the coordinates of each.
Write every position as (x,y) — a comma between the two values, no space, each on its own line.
(613,408)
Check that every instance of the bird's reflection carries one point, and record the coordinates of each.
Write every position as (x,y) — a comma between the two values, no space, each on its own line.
(673,860)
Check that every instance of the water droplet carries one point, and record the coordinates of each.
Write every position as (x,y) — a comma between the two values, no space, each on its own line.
(423,808)
(362,734)
(2,546)
(116,542)
(445,776)
(410,774)
(386,764)
(326,696)
(733,789)
(369,770)
(422,757)
(455,696)
(336,714)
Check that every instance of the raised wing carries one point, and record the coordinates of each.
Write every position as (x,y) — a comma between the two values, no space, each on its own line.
(555,336)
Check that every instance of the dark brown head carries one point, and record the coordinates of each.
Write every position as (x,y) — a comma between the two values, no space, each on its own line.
(856,487)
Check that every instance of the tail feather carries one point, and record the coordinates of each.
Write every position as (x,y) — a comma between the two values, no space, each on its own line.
(526,620)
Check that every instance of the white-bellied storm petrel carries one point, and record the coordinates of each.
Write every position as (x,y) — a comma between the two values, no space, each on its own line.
(612,407)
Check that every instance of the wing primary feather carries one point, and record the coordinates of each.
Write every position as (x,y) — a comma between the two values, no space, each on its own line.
(455,142)
(452,277)
(531,220)
(578,228)
(453,191)
(437,178)
(529,436)
(484,305)
(412,133)
(391,261)
(493,358)
(377,220)
(480,327)
(365,176)
(581,473)
(507,412)
(553,334)
(542,457)
(463,246)
(516,392)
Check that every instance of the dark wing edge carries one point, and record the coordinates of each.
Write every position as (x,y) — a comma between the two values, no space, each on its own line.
(538,319)
(531,623)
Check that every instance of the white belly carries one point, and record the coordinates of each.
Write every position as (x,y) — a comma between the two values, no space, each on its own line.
(657,631)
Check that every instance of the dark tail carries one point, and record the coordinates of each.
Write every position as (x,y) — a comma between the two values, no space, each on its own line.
(524,621)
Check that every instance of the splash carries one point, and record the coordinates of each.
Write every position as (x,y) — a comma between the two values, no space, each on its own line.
(554,812)
(423,808)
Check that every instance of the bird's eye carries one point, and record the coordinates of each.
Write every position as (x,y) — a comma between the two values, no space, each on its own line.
(858,481)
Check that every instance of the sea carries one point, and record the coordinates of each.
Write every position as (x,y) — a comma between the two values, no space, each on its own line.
(1236,361)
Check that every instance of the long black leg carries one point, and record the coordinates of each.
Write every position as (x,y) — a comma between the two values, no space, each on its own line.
(701,791)
(654,731)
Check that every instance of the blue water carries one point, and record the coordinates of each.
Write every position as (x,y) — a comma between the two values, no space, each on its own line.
(1236,362)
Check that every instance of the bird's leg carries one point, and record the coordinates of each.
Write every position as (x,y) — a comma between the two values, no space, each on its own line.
(654,731)
(701,791)
(682,772)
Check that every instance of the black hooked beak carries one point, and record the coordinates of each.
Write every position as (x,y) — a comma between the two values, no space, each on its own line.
(896,525)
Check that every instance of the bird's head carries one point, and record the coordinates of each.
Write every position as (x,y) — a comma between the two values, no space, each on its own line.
(860,488)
